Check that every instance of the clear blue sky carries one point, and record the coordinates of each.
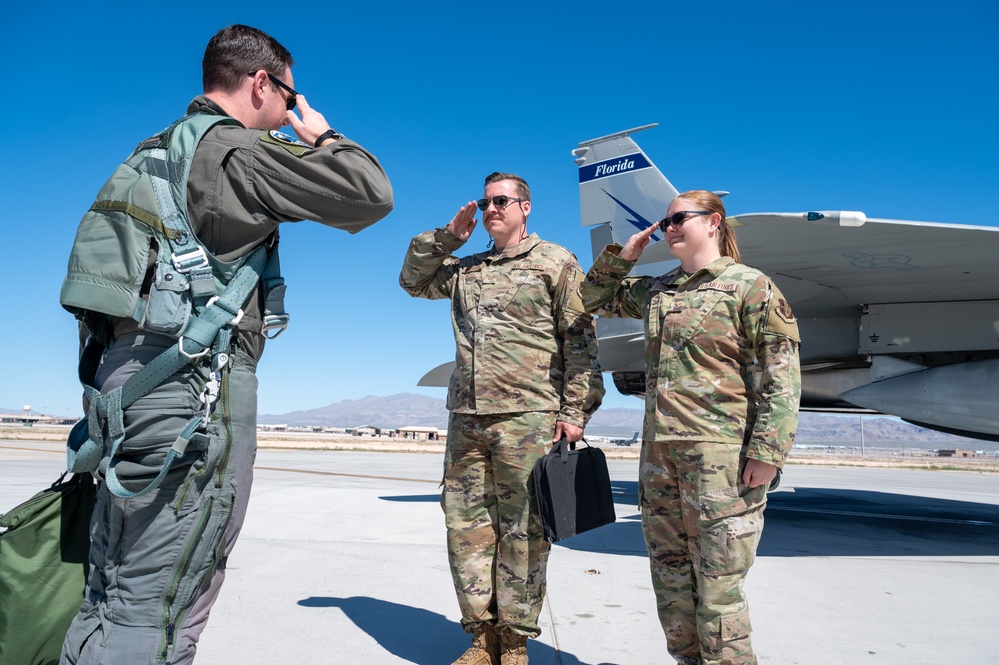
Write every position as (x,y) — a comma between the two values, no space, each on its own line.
(888,108)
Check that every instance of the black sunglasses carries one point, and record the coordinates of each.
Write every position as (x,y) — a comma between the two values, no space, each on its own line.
(291,101)
(678,218)
(500,202)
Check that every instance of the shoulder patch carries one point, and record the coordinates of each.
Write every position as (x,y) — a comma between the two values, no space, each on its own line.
(780,318)
(286,141)
(784,311)
(281,137)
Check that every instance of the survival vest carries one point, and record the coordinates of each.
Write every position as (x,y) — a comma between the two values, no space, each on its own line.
(136,256)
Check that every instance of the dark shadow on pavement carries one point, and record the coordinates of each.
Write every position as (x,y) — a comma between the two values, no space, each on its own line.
(807,521)
(420,636)
(415,498)
(803,521)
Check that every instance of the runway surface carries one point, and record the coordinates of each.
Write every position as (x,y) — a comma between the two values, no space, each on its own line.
(342,560)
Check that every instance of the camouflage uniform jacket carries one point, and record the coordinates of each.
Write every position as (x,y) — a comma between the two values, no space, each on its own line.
(703,335)
(524,342)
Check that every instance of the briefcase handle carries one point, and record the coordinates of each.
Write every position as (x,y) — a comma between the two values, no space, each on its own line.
(563,446)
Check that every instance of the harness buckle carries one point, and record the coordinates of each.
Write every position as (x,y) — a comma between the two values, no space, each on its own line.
(277,322)
(190,356)
(191,260)
(210,394)
(235,320)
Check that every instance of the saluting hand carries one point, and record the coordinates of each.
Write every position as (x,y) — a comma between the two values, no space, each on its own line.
(462,224)
(637,243)
(310,125)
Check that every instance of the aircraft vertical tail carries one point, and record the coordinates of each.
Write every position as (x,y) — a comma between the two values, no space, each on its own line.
(620,190)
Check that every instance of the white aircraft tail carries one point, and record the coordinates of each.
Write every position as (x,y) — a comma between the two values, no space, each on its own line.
(621,192)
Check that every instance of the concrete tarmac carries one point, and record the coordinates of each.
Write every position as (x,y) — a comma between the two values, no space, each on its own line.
(342,560)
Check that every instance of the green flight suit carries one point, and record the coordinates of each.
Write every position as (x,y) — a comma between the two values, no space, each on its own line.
(158,561)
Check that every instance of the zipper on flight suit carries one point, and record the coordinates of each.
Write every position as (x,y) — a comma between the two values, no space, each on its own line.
(177,618)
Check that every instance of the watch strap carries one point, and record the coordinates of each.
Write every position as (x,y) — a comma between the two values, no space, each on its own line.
(328,134)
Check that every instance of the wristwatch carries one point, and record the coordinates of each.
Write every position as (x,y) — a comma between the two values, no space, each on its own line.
(328,134)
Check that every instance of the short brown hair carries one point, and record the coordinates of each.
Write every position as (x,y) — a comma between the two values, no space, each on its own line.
(523,191)
(237,51)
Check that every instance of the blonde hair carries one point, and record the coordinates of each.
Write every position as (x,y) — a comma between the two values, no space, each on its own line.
(706,200)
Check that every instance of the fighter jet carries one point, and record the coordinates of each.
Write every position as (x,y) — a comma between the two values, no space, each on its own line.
(896,317)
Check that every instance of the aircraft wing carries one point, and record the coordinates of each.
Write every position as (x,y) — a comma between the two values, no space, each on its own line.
(895,316)
(832,266)
(438,377)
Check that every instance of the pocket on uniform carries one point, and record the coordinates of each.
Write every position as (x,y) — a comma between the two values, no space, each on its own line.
(525,296)
(731,523)
(169,306)
(735,626)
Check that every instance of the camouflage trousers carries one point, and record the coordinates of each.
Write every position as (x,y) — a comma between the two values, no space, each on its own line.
(157,561)
(495,545)
(701,527)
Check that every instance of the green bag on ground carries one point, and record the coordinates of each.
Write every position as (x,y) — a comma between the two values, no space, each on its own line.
(43,570)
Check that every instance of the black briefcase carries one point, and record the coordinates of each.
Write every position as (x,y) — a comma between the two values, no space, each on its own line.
(573,490)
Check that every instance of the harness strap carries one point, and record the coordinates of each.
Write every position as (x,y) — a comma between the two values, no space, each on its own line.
(275,318)
(201,333)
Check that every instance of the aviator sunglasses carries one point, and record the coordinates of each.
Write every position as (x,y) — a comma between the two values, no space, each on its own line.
(501,201)
(678,218)
(291,101)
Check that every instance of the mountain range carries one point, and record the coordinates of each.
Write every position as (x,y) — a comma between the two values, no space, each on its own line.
(407,409)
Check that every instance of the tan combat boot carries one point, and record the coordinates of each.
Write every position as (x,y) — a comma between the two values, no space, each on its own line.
(513,648)
(485,649)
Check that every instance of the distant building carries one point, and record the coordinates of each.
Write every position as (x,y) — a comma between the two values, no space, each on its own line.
(956,453)
(28,420)
(281,427)
(365,430)
(422,433)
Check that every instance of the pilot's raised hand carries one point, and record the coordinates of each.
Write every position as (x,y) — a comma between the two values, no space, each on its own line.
(311,125)
(637,243)
(462,224)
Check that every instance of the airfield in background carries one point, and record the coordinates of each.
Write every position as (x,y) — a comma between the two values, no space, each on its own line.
(343,559)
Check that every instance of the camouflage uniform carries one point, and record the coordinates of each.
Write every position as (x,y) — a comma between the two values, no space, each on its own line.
(526,357)
(704,416)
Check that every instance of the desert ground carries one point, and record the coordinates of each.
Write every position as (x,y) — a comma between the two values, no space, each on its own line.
(874,456)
